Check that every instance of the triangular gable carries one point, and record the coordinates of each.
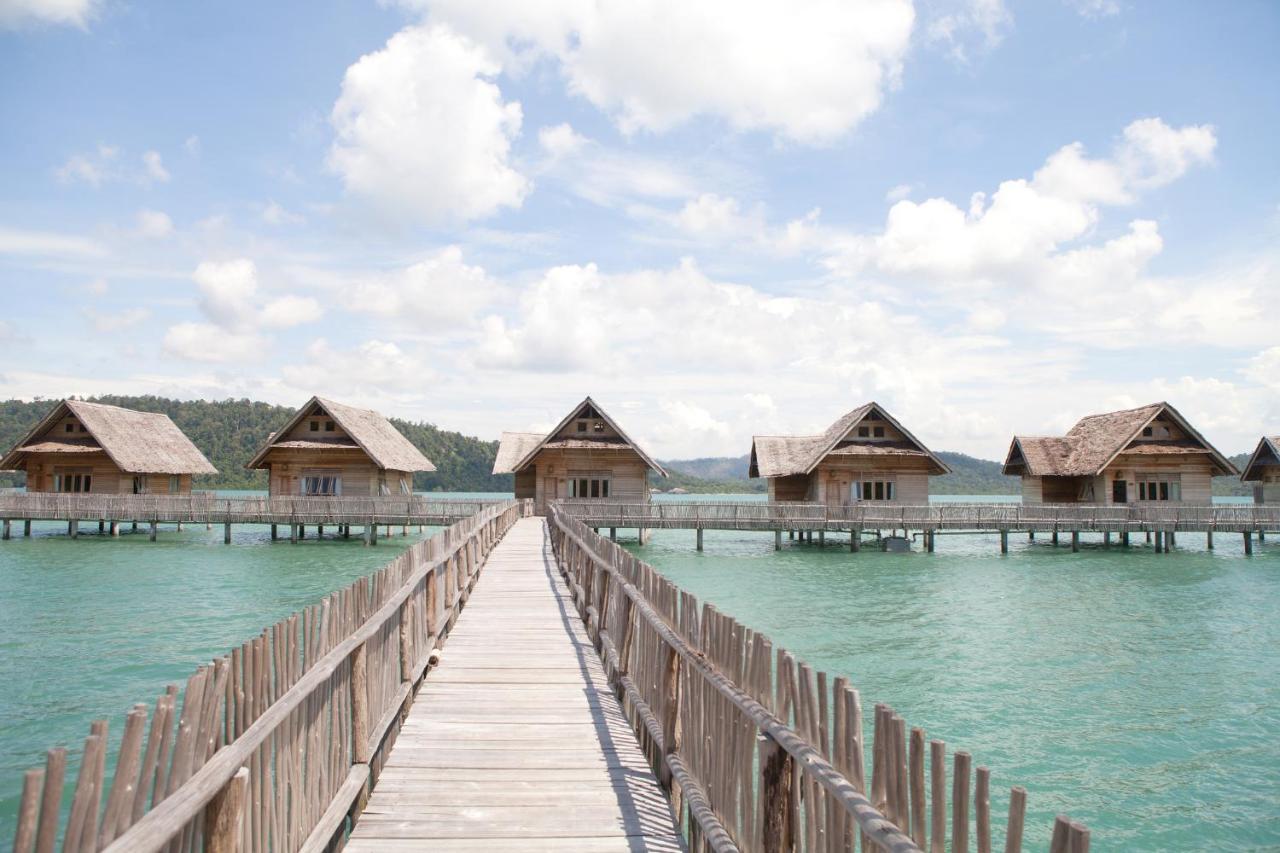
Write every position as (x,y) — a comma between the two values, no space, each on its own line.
(843,429)
(1015,456)
(1267,453)
(1223,463)
(574,414)
(46,423)
(348,417)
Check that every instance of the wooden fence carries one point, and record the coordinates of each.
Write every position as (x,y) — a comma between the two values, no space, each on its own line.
(992,517)
(273,745)
(757,750)
(208,508)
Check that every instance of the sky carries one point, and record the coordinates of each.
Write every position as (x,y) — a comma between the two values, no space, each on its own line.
(719,219)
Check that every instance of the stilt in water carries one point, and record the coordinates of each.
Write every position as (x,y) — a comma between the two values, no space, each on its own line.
(1170,541)
(1248,544)
(275,532)
(152,535)
(1075,542)
(1106,539)
(777,540)
(73,529)
(1031,536)
(293,534)
(226,533)
(1159,541)
(179,526)
(26,527)
(699,535)
(346,531)
(5,535)
(1004,542)
(1055,537)
(1262,537)
(855,541)
(102,526)
(1208,539)
(1124,539)
(115,529)
(613,534)
(928,540)
(135,527)
(791,534)
(319,531)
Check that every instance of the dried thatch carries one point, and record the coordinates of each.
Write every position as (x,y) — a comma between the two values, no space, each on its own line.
(517,450)
(1265,455)
(1096,440)
(137,442)
(787,455)
(368,430)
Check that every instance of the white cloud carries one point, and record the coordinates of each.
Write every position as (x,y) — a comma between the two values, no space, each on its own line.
(105,165)
(192,146)
(422,131)
(899,192)
(560,140)
(808,70)
(97,287)
(1096,8)
(18,241)
(439,294)
(154,224)
(75,13)
(275,214)
(228,291)
(987,21)
(374,365)
(109,323)
(209,342)
(287,311)
(711,215)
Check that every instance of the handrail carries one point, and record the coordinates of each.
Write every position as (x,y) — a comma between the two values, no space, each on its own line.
(276,740)
(762,755)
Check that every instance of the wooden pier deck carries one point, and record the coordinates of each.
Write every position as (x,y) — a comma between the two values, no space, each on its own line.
(516,740)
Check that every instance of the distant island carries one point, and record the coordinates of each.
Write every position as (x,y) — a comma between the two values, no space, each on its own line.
(229,432)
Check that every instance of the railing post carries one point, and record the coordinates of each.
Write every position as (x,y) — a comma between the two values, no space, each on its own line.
(359,706)
(775,796)
(224,813)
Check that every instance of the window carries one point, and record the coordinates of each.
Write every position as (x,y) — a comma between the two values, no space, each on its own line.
(598,426)
(72,483)
(315,426)
(406,485)
(321,483)
(1159,487)
(878,432)
(328,426)
(71,427)
(582,426)
(864,432)
(1147,432)
(589,487)
(175,484)
(139,485)
(82,429)
(873,490)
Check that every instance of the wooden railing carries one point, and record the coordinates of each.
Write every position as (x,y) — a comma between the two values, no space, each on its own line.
(206,507)
(273,745)
(757,750)
(758,515)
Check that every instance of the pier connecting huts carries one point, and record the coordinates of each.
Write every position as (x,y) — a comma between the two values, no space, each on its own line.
(1263,470)
(586,457)
(866,455)
(331,449)
(517,683)
(92,448)
(1149,455)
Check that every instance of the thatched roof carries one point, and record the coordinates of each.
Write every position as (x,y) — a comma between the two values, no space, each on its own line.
(368,431)
(517,449)
(1266,454)
(137,442)
(786,455)
(1096,440)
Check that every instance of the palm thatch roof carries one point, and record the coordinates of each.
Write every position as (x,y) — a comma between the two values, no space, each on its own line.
(367,430)
(136,442)
(787,455)
(1096,440)
(517,450)
(1266,454)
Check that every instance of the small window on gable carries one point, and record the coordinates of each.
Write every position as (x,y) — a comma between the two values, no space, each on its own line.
(597,426)
(1147,432)
(315,426)
(582,426)
(71,427)
(879,432)
(864,432)
(82,429)
(328,426)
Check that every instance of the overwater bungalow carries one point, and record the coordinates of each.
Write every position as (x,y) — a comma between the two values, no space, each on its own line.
(328,448)
(587,455)
(866,455)
(1148,454)
(100,449)
(1263,470)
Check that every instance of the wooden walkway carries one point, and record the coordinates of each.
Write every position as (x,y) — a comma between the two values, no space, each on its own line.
(516,741)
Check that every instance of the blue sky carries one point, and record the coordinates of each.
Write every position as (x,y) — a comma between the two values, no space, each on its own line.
(720,220)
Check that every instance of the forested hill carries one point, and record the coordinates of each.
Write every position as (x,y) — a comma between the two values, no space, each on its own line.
(229,432)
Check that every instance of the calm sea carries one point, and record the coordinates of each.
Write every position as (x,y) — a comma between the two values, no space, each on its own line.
(1139,693)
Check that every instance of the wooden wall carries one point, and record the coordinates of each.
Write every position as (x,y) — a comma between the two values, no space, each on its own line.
(831,482)
(106,478)
(1194,472)
(360,477)
(626,471)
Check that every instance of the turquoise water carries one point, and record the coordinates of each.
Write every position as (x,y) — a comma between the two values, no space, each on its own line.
(93,625)
(1137,692)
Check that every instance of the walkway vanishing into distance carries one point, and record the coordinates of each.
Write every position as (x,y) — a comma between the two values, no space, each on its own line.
(516,741)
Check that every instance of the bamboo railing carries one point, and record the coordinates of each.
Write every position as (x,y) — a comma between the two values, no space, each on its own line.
(208,508)
(992,517)
(756,749)
(273,745)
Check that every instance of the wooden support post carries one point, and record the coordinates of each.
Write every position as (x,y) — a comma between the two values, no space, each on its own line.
(822,537)
(960,803)
(135,527)
(302,531)
(1106,539)
(152,535)
(102,526)
(1055,537)
(73,529)
(1017,817)
(699,535)
(1159,543)
(982,808)
(360,752)
(777,540)
(115,528)
(1004,542)
(1031,536)
(226,533)
(319,531)
(855,540)
(1124,539)
(928,538)
(179,526)
(791,535)
(224,814)
(1170,541)
(916,774)
(293,534)
(346,531)
(938,796)
(613,534)
(404,531)
(1262,537)
(775,795)
(275,532)
(373,534)
(1248,544)
(1208,539)
(1075,542)
(5,535)
(26,527)
(670,714)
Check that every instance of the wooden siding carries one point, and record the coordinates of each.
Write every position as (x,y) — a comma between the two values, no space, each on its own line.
(287,466)
(1194,472)
(832,481)
(1032,490)
(106,477)
(626,471)
(793,488)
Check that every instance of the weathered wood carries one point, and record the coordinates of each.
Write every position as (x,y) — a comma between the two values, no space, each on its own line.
(982,809)
(28,810)
(55,769)
(938,796)
(1017,817)
(776,794)
(917,787)
(960,803)
(224,813)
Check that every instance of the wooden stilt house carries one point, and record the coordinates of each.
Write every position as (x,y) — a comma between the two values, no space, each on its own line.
(100,449)
(866,455)
(1263,470)
(1148,454)
(587,456)
(328,448)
